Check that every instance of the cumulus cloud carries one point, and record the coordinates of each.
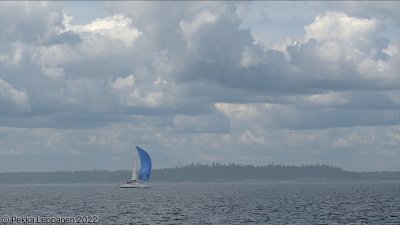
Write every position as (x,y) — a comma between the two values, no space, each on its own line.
(27,22)
(207,47)
(385,11)
(124,83)
(12,100)
(53,72)
(344,48)
(117,27)
(291,117)
(192,75)
(12,58)
(339,26)
(326,99)
(142,95)
(383,72)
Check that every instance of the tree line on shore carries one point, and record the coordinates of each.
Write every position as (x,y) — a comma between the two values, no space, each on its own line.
(215,172)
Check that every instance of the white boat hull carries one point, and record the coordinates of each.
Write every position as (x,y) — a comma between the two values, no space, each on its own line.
(134,185)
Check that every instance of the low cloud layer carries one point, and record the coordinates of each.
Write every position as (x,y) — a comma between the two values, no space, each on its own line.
(188,81)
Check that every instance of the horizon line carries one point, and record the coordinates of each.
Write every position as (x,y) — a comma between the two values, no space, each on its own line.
(207,164)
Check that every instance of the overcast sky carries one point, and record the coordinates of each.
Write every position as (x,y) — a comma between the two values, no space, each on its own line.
(246,82)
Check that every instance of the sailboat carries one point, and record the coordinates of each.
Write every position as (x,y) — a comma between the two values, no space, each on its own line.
(144,173)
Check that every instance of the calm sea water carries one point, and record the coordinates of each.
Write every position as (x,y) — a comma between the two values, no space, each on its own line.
(227,203)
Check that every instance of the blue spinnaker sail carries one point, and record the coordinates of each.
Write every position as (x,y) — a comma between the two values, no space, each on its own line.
(145,161)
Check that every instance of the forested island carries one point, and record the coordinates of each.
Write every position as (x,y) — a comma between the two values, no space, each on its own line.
(204,173)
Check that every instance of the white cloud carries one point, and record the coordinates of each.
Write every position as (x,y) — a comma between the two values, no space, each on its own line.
(382,72)
(53,72)
(339,26)
(13,58)
(11,152)
(192,75)
(250,58)
(338,48)
(248,138)
(123,83)
(385,10)
(391,50)
(191,29)
(331,99)
(12,100)
(28,22)
(146,95)
(314,113)
(117,27)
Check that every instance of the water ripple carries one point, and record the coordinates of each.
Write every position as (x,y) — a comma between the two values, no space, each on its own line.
(263,203)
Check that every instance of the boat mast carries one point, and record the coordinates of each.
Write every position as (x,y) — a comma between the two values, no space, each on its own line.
(136,173)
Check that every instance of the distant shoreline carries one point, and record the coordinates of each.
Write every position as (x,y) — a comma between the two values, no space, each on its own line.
(200,173)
